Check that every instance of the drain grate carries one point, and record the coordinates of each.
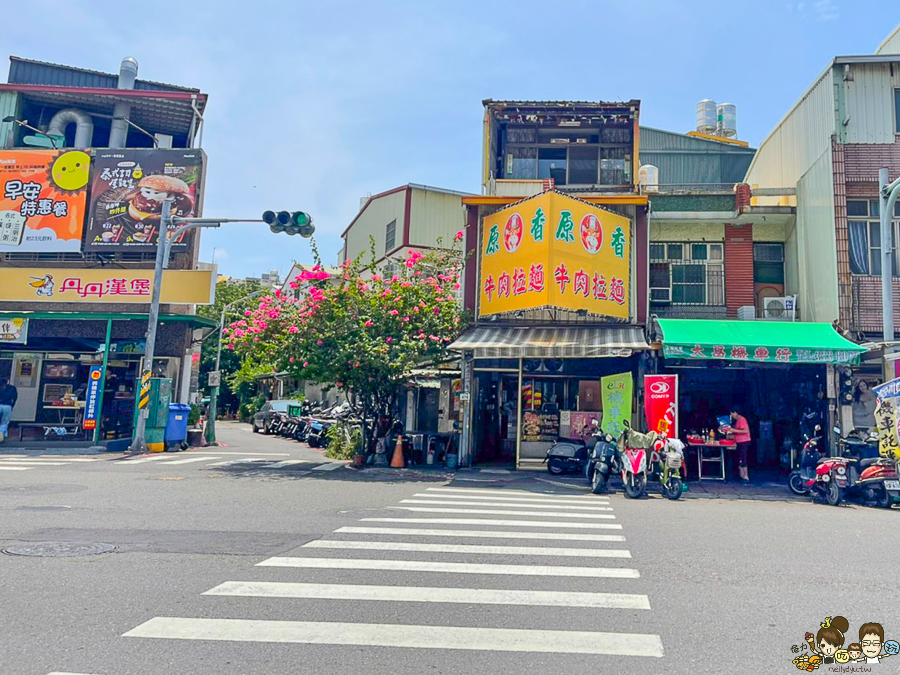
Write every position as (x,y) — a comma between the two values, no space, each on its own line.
(59,549)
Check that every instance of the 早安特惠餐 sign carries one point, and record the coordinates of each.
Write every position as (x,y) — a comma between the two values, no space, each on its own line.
(42,200)
(555,251)
(105,285)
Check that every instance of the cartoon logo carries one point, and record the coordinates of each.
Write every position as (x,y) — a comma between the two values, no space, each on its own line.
(69,173)
(591,233)
(43,285)
(512,232)
(659,387)
(827,645)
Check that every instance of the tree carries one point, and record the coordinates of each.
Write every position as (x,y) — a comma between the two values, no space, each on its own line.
(358,330)
(227,291)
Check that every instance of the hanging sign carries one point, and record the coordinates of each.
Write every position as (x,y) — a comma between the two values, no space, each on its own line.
(616,394)
(92,398)
(661,404)
(14,330)
(552,250)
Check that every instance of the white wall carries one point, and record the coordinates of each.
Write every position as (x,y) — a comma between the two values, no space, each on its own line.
(891,44)
(433,216)
(675,231)
(373,220)
(869,103)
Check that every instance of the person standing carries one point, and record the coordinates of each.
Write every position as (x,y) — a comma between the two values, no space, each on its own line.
(740,432)
(8,397)
(864,401)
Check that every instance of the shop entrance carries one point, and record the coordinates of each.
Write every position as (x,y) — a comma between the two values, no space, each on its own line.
(495,420)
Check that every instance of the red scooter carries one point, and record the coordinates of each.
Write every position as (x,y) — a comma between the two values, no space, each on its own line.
(871,480)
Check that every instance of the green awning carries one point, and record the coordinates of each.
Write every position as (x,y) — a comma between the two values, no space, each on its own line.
(758,341)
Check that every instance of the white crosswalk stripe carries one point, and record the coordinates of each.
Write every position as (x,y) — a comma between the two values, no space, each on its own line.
(190,460)
(331,466)
(15,468)
(397,551)
(23,463)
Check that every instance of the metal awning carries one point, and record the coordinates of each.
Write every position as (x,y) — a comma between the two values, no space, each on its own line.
(572,342)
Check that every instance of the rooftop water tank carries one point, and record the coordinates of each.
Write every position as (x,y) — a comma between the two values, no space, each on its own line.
(706,116)
(726,123)
(648,178)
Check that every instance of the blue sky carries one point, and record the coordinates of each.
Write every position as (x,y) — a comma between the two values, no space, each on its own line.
(315,104)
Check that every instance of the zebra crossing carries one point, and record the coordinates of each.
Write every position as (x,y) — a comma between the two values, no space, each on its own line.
(28,462)
(221,460)
(397,566)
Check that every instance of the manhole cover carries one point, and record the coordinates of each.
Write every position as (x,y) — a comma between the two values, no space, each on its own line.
(50,489)
(59,549)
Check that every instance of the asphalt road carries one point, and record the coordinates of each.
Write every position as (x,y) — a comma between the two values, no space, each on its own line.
(282,565)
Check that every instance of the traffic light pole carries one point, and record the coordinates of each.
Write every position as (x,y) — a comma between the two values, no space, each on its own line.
(888,193)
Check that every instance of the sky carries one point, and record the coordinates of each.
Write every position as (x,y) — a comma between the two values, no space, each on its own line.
(313,105)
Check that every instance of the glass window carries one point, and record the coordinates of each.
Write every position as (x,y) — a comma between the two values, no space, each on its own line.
(773,252)
(552,164)
(583,165)
(873,208)
(875,248)
(659,275)
(716,252)
(857,208)
(715,284)
(521,163)
(689,284)
(657,251)
(768,272)
(897,110)
(698,252)
(390,233)
(859,247)
(675,252)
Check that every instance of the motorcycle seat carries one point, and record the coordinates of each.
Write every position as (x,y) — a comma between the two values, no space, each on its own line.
(869,461)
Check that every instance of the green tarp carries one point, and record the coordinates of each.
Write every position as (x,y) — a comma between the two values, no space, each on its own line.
(758,341)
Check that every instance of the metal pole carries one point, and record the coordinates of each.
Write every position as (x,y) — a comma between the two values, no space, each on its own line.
(887,271)
(102,382)
(139,444)
(466,440)
(519,426)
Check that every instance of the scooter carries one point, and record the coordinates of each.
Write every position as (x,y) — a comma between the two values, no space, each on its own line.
(603,461)
(567,456)
(810,456)
(839,478)
(666,461)
(632,447)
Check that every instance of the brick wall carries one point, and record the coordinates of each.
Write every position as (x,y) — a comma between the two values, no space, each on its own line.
(842,245)
(867,314)
(738,268)
(862,161)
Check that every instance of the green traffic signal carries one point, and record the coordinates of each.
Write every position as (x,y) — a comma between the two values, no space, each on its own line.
(298,222)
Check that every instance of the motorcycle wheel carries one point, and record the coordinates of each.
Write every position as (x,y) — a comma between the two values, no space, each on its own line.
(598,482)
(556,466)
(881,497)
(674,489)
(635,487)
(796,484)
(833,494)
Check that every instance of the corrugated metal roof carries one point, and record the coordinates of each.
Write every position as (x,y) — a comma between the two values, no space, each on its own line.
(687,160)
(28,71)
(659,139)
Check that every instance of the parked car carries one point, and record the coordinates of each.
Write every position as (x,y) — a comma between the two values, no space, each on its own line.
(265,416)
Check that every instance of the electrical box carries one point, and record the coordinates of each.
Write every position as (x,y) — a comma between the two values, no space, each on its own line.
(158,406)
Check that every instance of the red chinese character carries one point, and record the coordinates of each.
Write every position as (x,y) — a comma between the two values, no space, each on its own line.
(71,284)
(140,287)
(93,288)
(117,287)
(783,354)
(761,353)
(519,283)
(718,351)
(536,278)
(582,283)
(561,274)
(599,287)
(739,352)
(697,351)
(617,290)
(489,287)
(503,285)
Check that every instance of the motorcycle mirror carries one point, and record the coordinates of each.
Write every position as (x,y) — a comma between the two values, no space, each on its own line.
(818,427)
(626,424)
(837,430)
(595,423)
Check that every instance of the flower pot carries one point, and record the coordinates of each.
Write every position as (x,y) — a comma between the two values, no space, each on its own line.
(359,460)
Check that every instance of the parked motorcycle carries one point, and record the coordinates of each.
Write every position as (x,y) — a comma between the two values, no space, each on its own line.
(841,477)
(666,461)
(632,448)
(603,461)
(567,456)
(801,476)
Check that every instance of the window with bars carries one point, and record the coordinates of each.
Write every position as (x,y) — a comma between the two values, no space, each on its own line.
(687,273)
(864,228)
(768,263)
(390,236)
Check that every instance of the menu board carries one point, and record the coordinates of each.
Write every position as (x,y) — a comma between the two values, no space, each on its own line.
(540,426)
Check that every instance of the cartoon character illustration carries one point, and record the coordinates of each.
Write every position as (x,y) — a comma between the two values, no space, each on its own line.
(854,652)
(807,663)
(591,233)
(69,172)
(871,638)
(830,638)
(512,232)
(44,285)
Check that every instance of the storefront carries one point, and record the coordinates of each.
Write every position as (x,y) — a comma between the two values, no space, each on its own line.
(774,373)
(77,373)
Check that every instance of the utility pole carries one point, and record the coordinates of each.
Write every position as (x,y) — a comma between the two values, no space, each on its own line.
(887,197)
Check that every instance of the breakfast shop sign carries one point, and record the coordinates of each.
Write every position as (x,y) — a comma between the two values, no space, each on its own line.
(555,251)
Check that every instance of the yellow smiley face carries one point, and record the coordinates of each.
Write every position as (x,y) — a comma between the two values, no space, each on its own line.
(842,656)
(70,170)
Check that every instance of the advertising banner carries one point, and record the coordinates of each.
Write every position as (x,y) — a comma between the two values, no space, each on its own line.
(105,285)
(92,398)
(761,353)
(616,392)
(888,389)
(886,424)
(43,200)
(556,251)
(14,330)
(579,423)
(127,193)
(540,426)
(661,404)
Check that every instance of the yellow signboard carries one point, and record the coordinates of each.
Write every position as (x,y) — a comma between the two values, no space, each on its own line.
(556,251)
(42,285)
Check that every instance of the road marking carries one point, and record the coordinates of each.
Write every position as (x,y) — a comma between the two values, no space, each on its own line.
(245,460)
(442,502)
(35,458)
(513,493)
(190,460)
(450,567)
(227,452)
(331,466)
(285,463)
(494,471)
(479,534)
(524,500)
(400,635)
(142,460)
(503,523)
(32,463)
(263,589)
(14,468)
(458,548)
(496,512)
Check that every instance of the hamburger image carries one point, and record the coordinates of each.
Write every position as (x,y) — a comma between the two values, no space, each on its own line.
(146,201)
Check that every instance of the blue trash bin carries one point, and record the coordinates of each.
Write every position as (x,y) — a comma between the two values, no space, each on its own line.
(176,428)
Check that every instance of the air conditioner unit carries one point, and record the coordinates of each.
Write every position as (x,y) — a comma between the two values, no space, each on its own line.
(747,313)
(661,294)
(783,309)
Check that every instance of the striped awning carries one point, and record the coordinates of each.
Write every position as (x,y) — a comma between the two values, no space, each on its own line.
(573,342)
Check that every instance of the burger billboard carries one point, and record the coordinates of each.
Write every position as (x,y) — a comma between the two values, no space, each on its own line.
(128,190)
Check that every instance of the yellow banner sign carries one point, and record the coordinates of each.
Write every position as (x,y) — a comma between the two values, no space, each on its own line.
(106,285)
(556,251)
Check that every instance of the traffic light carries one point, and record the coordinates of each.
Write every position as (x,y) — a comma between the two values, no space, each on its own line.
(846,388)
(297,222)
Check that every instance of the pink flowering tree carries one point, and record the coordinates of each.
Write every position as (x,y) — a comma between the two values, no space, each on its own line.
(359,330)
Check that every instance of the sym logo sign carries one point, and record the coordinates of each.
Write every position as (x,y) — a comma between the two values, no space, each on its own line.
(660,387)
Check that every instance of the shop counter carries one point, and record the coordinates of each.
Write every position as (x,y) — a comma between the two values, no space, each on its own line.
(710,452)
